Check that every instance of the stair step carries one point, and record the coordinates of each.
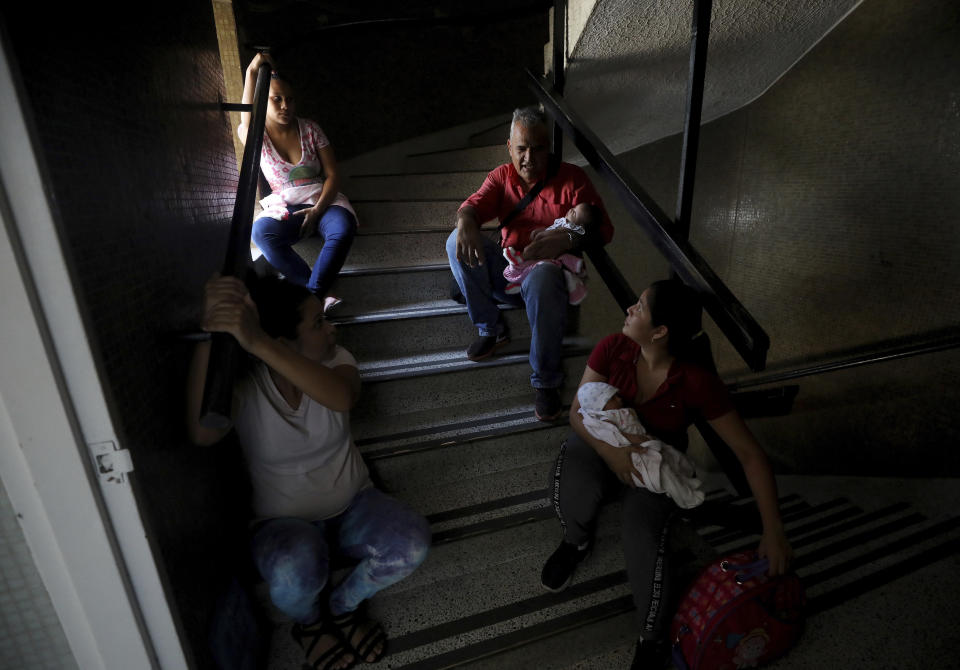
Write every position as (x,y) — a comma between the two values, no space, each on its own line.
(477,601)
(603,641)
(525,476)
(456,421)
(469,425)
(419,470)
(502,568)
(393,250)
(492,134)
(485,157)
(514,354)
(450,382)
(393,288)
(392,158)
(429,186)
(377,216)
(442,331)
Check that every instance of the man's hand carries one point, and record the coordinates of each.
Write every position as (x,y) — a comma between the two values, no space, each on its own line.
(548,244)
(469,246)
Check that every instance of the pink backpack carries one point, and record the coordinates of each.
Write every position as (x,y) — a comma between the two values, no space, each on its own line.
(735,616)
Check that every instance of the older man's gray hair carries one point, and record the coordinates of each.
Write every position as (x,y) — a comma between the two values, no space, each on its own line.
(528,117)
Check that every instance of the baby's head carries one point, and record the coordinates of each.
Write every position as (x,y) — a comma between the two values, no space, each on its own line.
(599,396)
(586,215)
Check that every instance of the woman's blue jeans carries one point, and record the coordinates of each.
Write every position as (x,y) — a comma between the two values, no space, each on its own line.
(293,555)
(543,292)
(275,239)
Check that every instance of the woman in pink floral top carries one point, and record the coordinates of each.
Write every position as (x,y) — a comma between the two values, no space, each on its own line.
(298,163)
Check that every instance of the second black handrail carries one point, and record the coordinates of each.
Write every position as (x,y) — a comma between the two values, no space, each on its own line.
(889,350)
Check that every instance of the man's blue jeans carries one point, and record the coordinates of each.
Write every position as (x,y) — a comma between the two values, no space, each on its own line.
(276,238)
(544,293)
(293,556)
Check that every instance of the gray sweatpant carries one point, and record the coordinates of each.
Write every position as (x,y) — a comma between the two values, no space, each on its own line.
(581,483)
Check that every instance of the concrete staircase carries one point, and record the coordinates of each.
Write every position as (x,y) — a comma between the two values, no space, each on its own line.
(458,441)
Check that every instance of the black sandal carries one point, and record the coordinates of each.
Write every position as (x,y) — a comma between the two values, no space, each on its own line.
(350,623)
(309,636)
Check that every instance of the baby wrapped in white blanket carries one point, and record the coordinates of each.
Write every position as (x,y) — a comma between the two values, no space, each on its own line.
(664,469)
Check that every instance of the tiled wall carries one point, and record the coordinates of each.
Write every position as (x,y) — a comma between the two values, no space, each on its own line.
(31,637)
(829,206)
(143,174)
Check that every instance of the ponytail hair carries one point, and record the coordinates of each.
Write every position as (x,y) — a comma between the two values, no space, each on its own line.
(678,307)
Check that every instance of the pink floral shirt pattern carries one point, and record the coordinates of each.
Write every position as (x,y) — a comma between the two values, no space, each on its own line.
(300,183)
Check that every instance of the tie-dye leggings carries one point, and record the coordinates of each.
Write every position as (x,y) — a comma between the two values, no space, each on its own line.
(388,538)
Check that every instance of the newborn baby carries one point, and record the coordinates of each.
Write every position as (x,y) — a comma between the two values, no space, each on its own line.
(664,469)
(578,222)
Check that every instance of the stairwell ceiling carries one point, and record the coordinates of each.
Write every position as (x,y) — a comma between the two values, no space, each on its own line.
(627,75)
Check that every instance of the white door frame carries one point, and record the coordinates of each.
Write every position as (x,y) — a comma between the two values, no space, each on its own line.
(85,533)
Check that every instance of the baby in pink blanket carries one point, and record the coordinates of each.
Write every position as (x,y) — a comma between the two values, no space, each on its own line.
(578,221)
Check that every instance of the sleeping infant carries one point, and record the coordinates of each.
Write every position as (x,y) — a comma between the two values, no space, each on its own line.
(664,469)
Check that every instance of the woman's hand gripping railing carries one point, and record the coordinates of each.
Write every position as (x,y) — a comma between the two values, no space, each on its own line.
(225,352)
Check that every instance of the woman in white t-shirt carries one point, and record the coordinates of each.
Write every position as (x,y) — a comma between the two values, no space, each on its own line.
(298,163)
(310,484)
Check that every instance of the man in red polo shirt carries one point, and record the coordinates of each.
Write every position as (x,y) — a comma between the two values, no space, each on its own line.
(477,262)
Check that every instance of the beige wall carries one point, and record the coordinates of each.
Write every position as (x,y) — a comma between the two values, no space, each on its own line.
(233,69)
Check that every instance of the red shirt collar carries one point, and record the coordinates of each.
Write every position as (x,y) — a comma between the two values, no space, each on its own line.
(514,177)
(631,354)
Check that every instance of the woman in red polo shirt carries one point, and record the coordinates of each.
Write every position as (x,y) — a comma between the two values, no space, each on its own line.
(662,366)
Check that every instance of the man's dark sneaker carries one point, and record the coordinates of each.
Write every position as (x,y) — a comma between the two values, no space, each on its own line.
(558,570)
(485,345)
(650,655)
(547,406)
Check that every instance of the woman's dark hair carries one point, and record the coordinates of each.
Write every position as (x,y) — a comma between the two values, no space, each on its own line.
(677,306)
(592,225)
(278,302)
(280,76)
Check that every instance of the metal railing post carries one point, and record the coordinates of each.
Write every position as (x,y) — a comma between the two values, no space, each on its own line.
(699,38)
(224,350)
(559,53)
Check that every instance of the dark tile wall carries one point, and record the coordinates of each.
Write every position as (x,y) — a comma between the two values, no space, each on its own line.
(829,207)
(143,174)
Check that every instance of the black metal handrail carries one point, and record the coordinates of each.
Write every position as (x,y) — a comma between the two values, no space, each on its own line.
(559,55)
(224,350)
(889,350)
(699,39)
(736,323)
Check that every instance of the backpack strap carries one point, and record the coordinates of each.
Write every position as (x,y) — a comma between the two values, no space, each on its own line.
(553,166)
